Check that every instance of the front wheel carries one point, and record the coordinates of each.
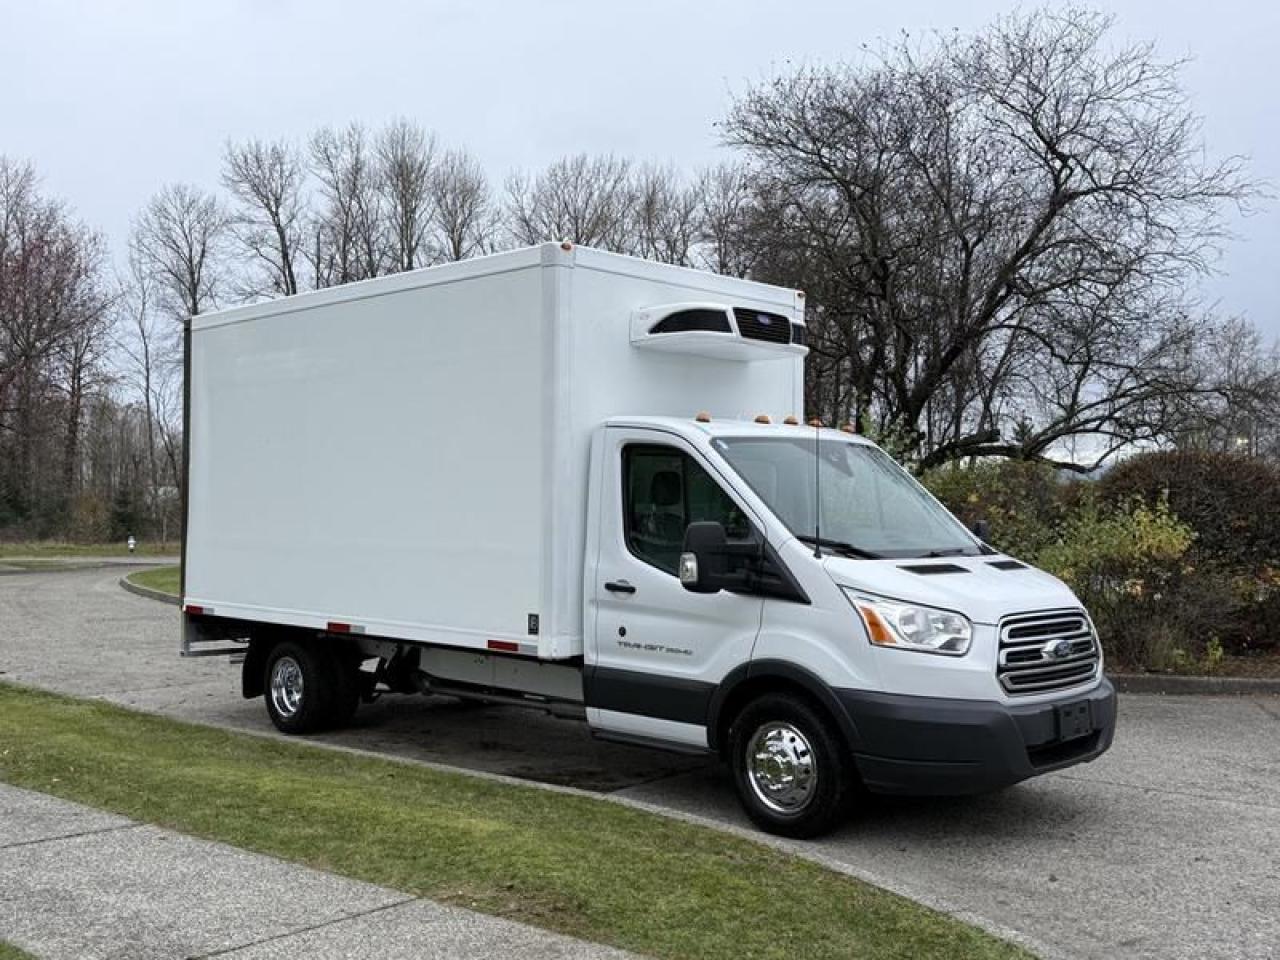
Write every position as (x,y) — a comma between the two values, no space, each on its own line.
(790,767)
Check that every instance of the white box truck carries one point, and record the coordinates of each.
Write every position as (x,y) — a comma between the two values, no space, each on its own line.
(582,482)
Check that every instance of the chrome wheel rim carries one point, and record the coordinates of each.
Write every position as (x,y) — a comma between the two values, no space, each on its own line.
(781,768)
(286,687)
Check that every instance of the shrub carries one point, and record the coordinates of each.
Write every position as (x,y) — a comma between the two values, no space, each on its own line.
(1129,566)
(1158,602)
(1230,501)
(90,520)
(1024,503)
(1233,505)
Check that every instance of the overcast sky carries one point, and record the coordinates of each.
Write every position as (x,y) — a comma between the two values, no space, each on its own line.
(112,98)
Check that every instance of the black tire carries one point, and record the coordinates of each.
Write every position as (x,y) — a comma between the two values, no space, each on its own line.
(348,689)
(802,786)
(302,686)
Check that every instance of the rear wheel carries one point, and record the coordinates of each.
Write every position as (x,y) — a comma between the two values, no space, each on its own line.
(349,689)
(308,687)
(790,768)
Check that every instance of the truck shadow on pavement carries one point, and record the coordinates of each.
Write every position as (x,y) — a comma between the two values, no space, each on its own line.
(511,741)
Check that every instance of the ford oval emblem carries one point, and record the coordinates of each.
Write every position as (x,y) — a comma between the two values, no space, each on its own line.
(1062,649)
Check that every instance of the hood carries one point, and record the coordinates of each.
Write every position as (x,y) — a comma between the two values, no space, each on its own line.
(985,588)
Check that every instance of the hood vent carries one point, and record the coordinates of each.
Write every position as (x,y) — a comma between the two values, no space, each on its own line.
(1006,564)
(928,569)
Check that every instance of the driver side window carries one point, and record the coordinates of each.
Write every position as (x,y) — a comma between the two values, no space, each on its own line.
(664,491)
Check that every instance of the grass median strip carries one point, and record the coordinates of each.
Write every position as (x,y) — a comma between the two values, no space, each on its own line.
(580,866)
(164,579)
(34,549)
(9,952)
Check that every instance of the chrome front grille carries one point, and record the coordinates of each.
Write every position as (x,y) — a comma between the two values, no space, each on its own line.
(1043,652)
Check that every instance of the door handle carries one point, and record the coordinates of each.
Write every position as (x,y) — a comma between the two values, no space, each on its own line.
(619,586)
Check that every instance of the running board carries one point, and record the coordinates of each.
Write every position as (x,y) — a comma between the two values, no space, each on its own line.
(232,652)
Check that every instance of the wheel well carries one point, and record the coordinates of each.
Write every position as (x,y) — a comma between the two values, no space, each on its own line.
(754,687)
(264,638)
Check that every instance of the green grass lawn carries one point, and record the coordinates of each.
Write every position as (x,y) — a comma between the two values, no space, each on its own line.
(577,865)
(57,548)
(9,952)
(164,579)
(39,563)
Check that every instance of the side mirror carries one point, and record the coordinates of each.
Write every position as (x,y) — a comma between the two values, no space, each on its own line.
(982,530)
(704,563)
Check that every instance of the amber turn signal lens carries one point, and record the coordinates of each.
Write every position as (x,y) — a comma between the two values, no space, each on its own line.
(877,629)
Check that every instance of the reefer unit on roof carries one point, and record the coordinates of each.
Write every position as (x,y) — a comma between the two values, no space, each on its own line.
(408,456)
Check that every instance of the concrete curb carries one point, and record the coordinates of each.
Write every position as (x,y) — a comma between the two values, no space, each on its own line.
(148,592)
(1173,685)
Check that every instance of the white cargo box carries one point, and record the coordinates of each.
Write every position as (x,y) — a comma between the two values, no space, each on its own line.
(408,456)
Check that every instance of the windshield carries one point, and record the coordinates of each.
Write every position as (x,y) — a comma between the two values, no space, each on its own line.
(869,505)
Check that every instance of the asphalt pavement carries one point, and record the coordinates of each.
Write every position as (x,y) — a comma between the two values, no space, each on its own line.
(1166,847)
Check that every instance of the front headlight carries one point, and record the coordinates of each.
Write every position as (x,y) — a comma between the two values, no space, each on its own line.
(910,626)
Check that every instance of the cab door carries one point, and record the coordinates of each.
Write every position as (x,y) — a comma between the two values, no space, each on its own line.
(658,651)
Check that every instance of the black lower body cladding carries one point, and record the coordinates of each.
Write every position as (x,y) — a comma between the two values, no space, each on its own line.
(938,746)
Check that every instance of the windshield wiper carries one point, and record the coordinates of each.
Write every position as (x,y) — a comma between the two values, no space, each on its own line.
(840,546)
(947,552)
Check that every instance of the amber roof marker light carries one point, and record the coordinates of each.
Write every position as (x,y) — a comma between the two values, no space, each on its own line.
(763,418)
(791,421)
(702,417)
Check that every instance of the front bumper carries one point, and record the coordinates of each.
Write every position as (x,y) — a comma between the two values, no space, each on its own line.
(937,746)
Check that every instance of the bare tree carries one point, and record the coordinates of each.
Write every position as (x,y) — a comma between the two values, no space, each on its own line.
(406,157)
(727,240)
(999,230)
(151,348)
(181,236)
(267,180)
(348,238)
(52,302)
(463,216)
(664,216)
(1244,416)
(82,370)
(584,199)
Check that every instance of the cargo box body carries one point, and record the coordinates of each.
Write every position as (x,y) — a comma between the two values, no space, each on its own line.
(407,457)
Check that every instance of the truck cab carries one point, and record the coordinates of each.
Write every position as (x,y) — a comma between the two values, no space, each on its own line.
(791,598)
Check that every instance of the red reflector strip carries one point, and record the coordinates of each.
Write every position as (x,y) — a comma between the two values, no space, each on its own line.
(192,608)
(336,627)
(507,646)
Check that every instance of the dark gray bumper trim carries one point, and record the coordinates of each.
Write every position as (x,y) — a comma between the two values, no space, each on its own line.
(932,745)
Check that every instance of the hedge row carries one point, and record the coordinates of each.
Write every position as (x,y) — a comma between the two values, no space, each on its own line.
(1176,555)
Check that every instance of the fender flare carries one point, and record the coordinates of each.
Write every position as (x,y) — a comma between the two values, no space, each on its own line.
(757,670)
